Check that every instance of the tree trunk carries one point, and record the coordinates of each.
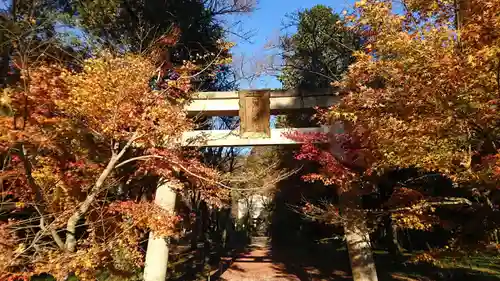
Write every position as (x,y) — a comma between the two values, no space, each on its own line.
(205,229)
(357,237)
(224,221)
(354,219)
(393,244)
(7,47)
(157,253)
(232,222)
(461,7)
(410,245)
(195,233)
(196,225)
(71,242)
(234,207)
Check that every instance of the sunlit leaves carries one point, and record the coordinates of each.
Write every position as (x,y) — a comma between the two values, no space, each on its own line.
(421,95)
(411,221)
(422,99)
(148,216)
(64,129)
(113,97)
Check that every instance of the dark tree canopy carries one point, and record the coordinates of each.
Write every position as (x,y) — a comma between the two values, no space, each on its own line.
(188,30)
(319,52)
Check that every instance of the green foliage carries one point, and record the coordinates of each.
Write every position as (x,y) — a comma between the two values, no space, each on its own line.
(188,29)
(319,52)
(136,24)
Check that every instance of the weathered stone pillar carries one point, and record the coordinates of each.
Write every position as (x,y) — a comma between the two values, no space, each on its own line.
(157,253)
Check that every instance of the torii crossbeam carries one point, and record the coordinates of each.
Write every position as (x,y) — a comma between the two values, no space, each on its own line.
(254,107)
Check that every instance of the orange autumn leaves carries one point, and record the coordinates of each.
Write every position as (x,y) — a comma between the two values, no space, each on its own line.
(421,94)
(112,95)
(63,129)
(424,93)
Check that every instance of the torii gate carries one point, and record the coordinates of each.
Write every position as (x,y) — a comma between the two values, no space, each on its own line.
(254,107)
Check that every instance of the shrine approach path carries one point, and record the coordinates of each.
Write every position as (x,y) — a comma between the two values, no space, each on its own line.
(257,264)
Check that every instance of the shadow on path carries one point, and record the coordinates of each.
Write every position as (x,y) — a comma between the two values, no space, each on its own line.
(257,264)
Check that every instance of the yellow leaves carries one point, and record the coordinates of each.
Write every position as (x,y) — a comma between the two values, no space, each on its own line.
(338,114)
(83,263)
(5,97)
(20,248)
(225,61)
(73,122)
(417,88)
(6,102)
(361,56)
(20,205)
(113,95)
(360,3)
(411,221)
(226,45)
(45,174)
(148,216)
(424,258)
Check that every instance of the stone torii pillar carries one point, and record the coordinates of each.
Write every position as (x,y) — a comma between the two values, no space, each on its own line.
(155,268)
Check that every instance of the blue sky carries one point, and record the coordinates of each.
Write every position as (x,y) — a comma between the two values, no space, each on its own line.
(266,23)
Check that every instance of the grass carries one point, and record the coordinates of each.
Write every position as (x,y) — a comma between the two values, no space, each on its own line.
(324,262)
(478,267)
(488,264)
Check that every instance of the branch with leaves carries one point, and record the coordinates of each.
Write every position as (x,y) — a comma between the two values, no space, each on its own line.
(84,135)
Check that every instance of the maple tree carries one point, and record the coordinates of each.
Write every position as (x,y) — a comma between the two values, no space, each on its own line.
(415,99)
(71,139)
(424,93)
(67,100)
(421,94)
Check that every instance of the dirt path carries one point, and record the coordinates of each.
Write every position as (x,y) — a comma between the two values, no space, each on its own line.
(257,265)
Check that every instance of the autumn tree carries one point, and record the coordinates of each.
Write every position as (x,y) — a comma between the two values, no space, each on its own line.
(421,95)
(35,50)
(318,54)
(438,114)
(69,140)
